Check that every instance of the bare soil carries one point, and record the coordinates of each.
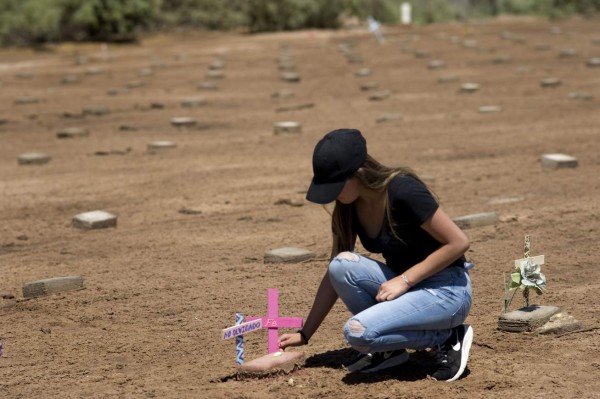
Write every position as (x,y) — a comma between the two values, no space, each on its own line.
(162,284)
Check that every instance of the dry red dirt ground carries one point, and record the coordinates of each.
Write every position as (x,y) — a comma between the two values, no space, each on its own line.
(161,285)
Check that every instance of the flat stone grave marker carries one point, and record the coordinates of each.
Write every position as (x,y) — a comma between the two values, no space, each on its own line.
(502,59)
(559,323)
(193,102)
(94,71)
(94,220)
(522,69)
(421,53)
(52,286)
(477,220)
(161,145)
(215,74)
(436,64)
(593,62)
(294,107)
(3,121)
(286,127)
(581,96)
(146,72)
(212,86)
(366,86)
(567,53)
(116,91)
(550,82)
(23,75)
(363,72)
(33,158)
(526,319)
(380,95)
(558,161)
(469,87)
(288,255)
(217,64)
(470,43)
(135,84)
(69,79)
(183,121)
(291,77)
(95,110)
(354,58)
(72,132)
(487,109)
(389,118)
(282,94)
(27,100)
(447,79)
(284,361)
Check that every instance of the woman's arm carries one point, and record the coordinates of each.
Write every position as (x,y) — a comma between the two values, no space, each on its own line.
(324,301)
(454,244)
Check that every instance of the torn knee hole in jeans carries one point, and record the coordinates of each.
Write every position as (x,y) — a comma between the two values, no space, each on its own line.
(356,328)
(348,256)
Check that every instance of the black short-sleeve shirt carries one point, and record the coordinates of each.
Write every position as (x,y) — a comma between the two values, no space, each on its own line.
(411,205)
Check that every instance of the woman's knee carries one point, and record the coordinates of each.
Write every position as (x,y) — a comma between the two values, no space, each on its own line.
(356,336)
(339,266)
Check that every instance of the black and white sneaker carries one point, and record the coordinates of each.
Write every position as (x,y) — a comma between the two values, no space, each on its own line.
(372,362)
(452,356)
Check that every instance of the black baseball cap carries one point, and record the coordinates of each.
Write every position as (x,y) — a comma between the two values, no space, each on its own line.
(336,157)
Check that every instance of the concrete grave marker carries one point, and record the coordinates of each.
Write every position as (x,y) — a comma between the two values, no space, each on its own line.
(389,118)
(559,323)
(567,53)
(291,77)
(96,110)
(23,75)
(527,318)
(285,361)
(183,121)
(286,127)
(558,161)
(33,158)
(216,64)
(363,72)
(27,100)
(542,47)
(288,255)
(215,74)
(470,43)
(282,94)
(366,86)
(52,285)
(69,79)
(72,132)
(421,53)
(294,107)
(477,220)
(581,96)
(212,86)
(487,109)
(436,64)
(94,71)
(447,79)
(380,95)
(593,62)
(469,87)
(161,145)
(354,58)
(94,220)
(135,84)
(193,102)
(146,72)
(502,59)
(550,82)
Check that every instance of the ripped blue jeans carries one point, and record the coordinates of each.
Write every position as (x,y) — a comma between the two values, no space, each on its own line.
(421,318)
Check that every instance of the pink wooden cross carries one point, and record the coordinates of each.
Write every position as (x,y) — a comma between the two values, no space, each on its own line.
(272,322)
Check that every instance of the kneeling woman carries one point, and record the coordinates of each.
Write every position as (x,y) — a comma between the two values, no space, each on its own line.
(420,297)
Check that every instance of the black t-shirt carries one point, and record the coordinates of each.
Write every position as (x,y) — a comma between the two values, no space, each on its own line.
(411,205)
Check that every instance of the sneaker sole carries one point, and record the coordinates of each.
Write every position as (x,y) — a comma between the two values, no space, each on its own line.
(395,361)
(359,364)
(464,354)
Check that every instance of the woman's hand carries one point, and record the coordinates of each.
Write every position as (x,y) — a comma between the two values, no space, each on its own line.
(391,289)
(290,340)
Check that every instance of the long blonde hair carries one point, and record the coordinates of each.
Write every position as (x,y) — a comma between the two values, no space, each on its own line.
(374,176)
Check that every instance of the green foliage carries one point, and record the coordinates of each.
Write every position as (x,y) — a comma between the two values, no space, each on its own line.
(34,21)
(208,14)
(270,15)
